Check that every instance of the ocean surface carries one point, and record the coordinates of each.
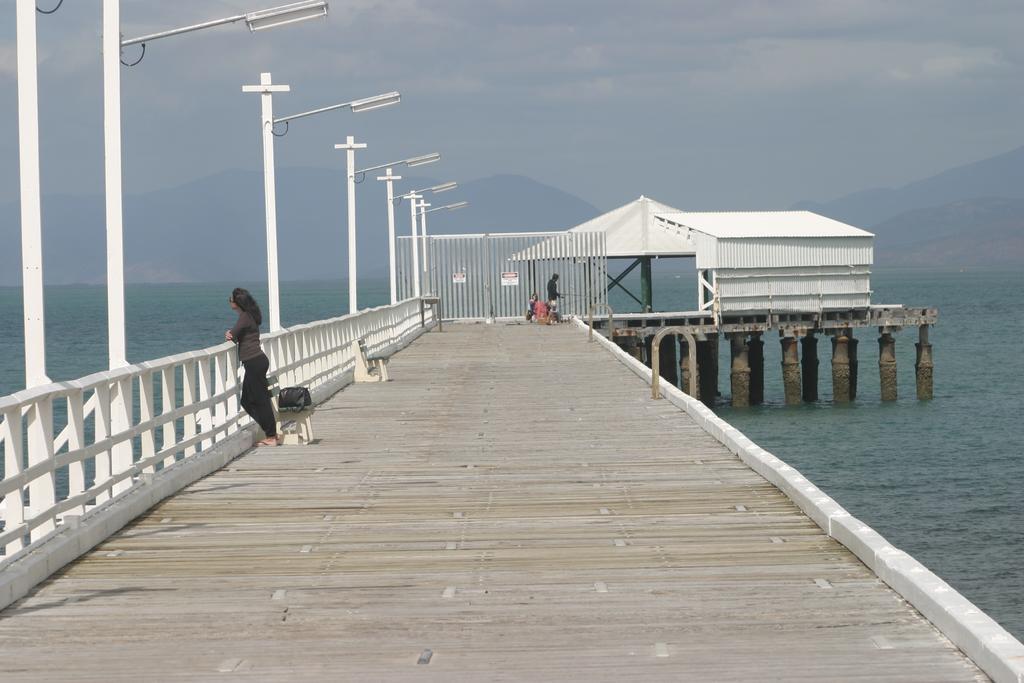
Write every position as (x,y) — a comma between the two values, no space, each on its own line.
(943,480)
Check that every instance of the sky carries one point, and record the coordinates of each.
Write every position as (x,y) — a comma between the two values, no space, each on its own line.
(702,104)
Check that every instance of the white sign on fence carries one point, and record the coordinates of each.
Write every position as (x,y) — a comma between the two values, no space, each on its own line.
(510,279)
(459,278)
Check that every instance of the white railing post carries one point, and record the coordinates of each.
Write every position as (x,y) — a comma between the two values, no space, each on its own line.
(188,388)
(205,414)
(14,502)
(120,422)
(146,409)
(41,493)
(101,422)
(220,370)
(76,441)
(168,399)
(232,381)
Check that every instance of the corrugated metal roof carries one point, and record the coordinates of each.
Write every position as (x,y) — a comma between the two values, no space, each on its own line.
(742,224)
(632,231)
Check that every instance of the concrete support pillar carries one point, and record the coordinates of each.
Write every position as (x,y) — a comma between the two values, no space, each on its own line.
(755,354)
(791,369)
(887,365)
(841,368)
(923,366)
(685,369)
(706,370)
(854,364)
(809,365)
(739,376)
(715,348)
(669,364)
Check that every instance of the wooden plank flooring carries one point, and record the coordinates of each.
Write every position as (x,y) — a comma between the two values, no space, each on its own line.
(512,502)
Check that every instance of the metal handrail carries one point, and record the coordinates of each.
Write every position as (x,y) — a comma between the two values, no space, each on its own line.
(611,322)
(691,344)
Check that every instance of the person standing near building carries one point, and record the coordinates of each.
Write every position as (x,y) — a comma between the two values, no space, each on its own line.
(553,296)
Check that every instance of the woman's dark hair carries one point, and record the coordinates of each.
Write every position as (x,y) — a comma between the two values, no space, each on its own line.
(243,299)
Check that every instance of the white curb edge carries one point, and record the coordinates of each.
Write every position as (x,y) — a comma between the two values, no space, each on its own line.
(980,637)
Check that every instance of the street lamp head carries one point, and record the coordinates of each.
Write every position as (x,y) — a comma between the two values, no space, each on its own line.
(444,187)
(376,102)
(456,205)
(425,159)
(286,14)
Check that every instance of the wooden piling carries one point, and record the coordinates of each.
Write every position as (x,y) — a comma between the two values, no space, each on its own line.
(755,356)
(923,367)
(841,368)
(667,361)
(887,365)
(685,369)
(791,370)
(809,365)
(854,363)
(739,376)
(707,369)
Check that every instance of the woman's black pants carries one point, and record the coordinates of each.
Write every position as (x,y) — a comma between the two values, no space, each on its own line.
(256,396)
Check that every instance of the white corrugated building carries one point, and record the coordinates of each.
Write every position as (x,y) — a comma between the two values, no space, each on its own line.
(776,261)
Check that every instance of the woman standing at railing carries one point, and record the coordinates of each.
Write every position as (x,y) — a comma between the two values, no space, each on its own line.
(246,333)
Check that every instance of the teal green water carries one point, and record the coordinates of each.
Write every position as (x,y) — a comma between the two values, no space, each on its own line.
(940,479)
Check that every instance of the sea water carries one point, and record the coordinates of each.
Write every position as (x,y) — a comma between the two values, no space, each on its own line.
(941,479)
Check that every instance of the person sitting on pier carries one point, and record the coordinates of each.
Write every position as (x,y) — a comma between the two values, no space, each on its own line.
(540,313)
(531,310)
(255,394)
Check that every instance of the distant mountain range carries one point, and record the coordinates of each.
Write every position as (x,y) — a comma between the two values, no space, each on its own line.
(971,215)
(212,229)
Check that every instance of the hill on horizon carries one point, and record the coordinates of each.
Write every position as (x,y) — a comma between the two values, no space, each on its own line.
(970,215)
(998,176)
(213,228)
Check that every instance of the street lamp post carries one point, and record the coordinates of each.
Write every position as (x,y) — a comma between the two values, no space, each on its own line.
(350,146)
(112,44)
(267,121)
(266,92)
(413,201)
(389,178)
(435,189)
(423,231)
(31,213)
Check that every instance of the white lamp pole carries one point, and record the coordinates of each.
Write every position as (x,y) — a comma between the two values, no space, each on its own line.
(112,176)
(423,222)
(267,120)
(266,92)
(390,179)
(350,148)
(112,44)
(31,213)
(413,210)
(425,279)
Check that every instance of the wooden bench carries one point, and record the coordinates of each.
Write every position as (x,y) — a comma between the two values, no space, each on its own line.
(295,427)
(370,367)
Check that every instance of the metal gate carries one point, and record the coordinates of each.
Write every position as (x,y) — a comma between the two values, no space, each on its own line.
(492,275)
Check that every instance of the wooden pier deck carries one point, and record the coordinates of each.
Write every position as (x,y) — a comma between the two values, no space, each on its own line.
(512,506)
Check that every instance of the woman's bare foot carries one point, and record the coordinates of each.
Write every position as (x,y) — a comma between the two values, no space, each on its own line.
(269,441)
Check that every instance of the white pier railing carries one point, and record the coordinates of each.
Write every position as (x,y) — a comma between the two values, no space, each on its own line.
(70,446)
